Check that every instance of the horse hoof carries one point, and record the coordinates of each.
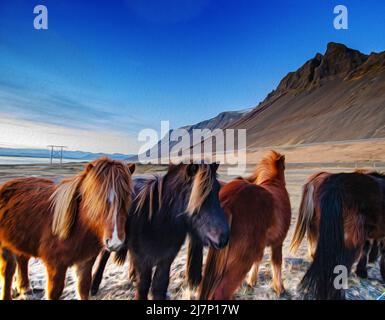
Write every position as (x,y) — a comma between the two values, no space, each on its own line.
(15,293)
(22,293)
(94,291)
(279,291)
(251,281)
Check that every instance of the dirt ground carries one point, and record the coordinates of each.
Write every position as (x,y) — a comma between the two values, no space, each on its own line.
(115,284)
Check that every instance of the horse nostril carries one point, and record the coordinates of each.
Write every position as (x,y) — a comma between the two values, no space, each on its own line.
(107,242)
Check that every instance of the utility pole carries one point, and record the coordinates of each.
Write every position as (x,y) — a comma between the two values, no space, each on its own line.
(56,152)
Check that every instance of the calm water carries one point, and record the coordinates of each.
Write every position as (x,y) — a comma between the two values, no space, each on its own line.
(27,160)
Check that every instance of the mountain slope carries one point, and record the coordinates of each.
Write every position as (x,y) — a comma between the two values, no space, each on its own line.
(222,120)
(336,96)
(332,97)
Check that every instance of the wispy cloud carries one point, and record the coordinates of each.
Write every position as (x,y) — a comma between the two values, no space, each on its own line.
(71,112)
(31,117)
(19,133)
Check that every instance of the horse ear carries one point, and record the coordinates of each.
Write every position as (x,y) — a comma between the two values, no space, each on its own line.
(89,167)
(131,167)
(214,166)
(281,160)
(192,169)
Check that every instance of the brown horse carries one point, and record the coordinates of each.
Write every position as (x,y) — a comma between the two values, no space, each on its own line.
(308,222)
(339,213)
(258,209)
(64,225)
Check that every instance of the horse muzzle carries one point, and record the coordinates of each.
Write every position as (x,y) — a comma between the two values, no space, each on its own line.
(114,244)
(218,241)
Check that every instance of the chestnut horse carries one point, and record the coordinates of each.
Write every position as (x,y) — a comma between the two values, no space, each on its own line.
(259,210)
(308,224)
(64,225)
(339,213)
(183,201)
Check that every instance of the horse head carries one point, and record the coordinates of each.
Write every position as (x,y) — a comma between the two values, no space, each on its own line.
(206,217)
(100,196)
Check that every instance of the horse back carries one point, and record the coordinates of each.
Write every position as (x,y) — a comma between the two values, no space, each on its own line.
(281,211)
(249,207)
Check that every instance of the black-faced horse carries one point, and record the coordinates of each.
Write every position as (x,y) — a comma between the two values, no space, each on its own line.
(165,209)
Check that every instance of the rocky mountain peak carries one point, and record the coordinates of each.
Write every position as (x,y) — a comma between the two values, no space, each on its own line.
(337,62)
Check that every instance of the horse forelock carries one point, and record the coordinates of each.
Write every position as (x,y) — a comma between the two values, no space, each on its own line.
(202,185)
(107,186)
(268,168)
(94,187)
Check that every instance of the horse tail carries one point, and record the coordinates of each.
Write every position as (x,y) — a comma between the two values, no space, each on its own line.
(305,216)
(216,262)
(321,280)
(194,262)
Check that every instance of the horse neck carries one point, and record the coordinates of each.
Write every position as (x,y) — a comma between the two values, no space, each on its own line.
(175,192)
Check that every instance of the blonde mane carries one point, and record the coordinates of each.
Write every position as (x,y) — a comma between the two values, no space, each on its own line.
(92,187)
(271,167)
(202,186)
(152,192)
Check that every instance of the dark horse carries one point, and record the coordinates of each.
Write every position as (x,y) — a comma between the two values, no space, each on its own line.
(341,212)
(64,225)
(309,220)
(259,212)
(185,200)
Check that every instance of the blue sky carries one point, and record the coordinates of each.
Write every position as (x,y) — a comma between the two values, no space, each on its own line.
(102,72)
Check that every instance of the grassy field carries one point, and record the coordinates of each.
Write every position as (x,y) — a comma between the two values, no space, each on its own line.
(115,284)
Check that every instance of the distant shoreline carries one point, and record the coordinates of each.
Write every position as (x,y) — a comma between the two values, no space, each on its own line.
(23,160)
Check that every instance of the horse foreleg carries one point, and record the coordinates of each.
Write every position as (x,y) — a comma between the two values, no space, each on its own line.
(22,279)
(98,275)
(7,269)
(252,276)
(84,275)
(144,274)
(56,281)
(382,261)
(361,269)
(161,280)
(131,271)
(373,254)
(276,263)
(232,279)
